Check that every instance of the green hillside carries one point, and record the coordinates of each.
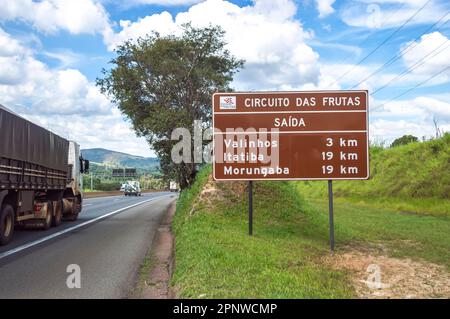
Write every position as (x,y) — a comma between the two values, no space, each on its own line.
(402,214)
(113,158)
(416,170)
(413,177)
(103,161)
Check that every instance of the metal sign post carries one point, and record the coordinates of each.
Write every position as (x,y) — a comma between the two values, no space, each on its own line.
(330,207)
(250,208)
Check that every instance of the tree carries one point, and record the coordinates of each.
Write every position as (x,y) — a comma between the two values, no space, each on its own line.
(164,82)
(405,139)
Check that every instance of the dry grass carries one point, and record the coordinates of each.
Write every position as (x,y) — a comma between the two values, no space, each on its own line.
(399,277)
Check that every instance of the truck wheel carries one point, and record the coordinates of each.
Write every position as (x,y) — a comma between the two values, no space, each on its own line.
(6,224)
(75,210)
(57,216)
(49,217)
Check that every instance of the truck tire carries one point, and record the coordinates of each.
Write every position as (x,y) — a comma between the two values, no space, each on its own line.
(57,213)
(6,224)
(75,210)
(49,218)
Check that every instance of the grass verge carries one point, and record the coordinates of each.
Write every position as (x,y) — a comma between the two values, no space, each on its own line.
(215,257)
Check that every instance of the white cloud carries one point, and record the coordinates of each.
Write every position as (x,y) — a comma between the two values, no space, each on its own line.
(413,116)
(325,7)
(422,51)
(161,23)
(62,100)
(276,47)
(437,108)
(50,16)
(389,130)
(9,46)
(422,60)
(354,74)
(265,35)
(168,3)
(390,13)
(26,80)
(65,57)
(106,131)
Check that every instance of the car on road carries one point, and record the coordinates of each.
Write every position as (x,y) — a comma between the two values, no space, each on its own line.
(132,188)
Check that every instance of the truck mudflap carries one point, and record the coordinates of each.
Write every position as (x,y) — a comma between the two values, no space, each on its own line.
(42,216)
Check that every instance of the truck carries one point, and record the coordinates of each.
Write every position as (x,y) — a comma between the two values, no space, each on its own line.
(40,176)
(173,186)
(132,188)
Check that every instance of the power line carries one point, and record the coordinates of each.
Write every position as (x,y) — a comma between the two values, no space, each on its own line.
(388,19)
(413,88)
(411,46)
(415,65)
(385,40)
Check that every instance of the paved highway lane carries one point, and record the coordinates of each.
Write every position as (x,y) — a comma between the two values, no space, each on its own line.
(108,250)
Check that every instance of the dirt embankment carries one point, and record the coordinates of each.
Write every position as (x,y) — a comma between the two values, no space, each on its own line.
(374,274)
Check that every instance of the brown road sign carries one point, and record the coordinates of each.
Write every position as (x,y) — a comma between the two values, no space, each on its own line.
(319,135)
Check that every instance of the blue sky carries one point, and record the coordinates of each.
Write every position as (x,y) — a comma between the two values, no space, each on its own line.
(51,52)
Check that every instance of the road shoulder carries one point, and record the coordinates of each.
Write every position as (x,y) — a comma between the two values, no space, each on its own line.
(157,268)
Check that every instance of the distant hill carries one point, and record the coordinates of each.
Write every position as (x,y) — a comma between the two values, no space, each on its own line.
(113,158)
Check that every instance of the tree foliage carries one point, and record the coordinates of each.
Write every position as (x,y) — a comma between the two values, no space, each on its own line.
(405,139)
(164,82)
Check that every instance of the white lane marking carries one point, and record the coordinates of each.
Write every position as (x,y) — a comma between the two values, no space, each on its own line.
(84,205)
(68,230)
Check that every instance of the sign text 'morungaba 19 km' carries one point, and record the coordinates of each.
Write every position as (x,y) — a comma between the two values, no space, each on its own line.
(320,135)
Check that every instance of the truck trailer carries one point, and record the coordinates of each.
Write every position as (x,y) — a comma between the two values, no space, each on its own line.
(40,176)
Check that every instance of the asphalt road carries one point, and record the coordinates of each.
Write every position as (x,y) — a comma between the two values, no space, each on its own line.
(108,242)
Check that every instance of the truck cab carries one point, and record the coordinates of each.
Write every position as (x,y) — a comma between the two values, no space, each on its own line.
(78,166)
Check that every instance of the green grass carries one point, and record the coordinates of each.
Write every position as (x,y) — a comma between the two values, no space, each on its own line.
(216,257)
(404,208)
(439,207)
(409,235)
(143,274)
(413,172)
(413,178)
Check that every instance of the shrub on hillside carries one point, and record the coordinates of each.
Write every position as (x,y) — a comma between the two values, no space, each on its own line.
(404,140)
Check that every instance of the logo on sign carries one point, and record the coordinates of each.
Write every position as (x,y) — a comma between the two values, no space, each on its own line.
(227,102)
